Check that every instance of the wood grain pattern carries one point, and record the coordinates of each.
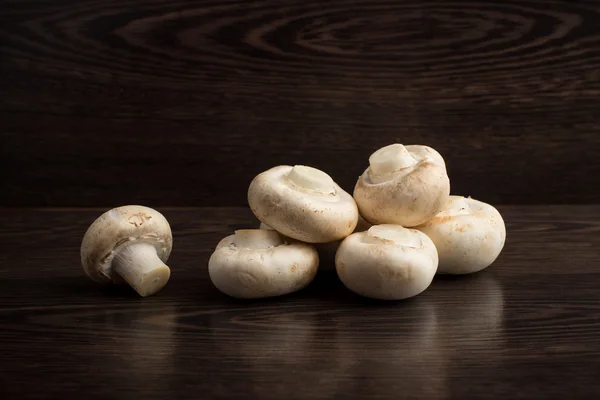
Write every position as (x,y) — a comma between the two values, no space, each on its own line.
(525,328)
(183,102)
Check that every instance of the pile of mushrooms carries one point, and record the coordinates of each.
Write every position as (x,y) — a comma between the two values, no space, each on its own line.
(387,240)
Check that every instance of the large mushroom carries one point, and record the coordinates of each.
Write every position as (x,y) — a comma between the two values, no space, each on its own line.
(129,244)
(403,185)
(387,262)
(469,235)
(258,263)
(302,203)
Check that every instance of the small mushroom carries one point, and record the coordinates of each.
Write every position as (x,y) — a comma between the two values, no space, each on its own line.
(403,185)
(469,235)
(128,244)
(387,262)
(257,263)
(302,203)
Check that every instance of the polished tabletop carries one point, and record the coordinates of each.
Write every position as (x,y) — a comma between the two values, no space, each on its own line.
(528,327)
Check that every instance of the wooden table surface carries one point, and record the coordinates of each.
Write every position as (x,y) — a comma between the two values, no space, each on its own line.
(528,327)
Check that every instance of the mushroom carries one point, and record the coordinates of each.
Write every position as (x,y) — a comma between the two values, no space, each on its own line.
(403,185)
(128,244)
(387,262)
(302,203)
(257,263)
(469,235)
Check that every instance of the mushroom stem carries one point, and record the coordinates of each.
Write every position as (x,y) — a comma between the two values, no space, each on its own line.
(256,239)
(139,265)
(390,159)
(311,179)
(394,233)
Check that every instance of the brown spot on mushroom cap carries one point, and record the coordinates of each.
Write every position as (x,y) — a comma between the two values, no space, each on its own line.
(444,219)
(463,227)
(138,219)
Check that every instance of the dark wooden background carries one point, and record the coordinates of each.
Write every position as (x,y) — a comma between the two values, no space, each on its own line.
(178,104)
(181,103)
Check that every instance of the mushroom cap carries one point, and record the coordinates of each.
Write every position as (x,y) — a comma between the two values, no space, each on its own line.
(116,228)
(409,195)
(250,273)
(387,262)
(469,238)
(302,214)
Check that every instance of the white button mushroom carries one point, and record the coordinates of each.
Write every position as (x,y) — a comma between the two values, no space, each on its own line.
(469,235)
(130,243)
(302,203)
(257,263)
(387,262)
(402,185)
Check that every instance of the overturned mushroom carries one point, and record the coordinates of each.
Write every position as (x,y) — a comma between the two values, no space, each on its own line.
(302,203)
(257,263)
(129,243)
(402,185)
(469,235)
(387,262)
